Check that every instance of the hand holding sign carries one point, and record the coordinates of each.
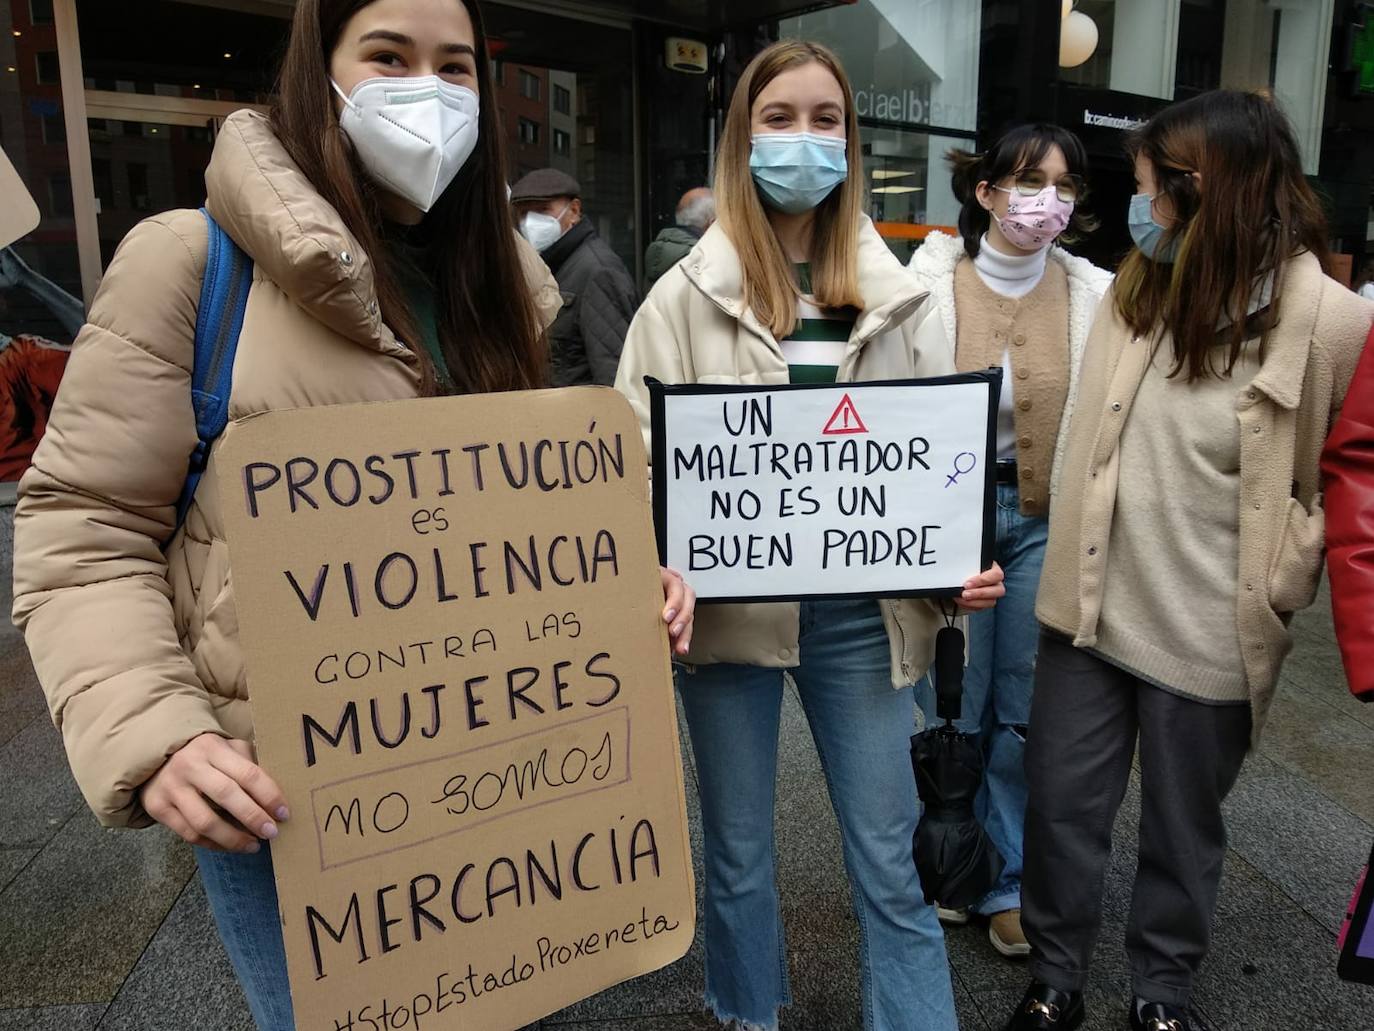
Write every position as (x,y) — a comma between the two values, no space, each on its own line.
(983,591)
(823,491)
(210,772)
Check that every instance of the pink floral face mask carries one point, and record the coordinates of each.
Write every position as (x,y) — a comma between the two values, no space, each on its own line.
(1033,222)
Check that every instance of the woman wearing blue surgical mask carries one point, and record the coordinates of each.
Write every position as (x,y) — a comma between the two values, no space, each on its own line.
(1008,295)
(1186,530)
(372,203)
(793,285)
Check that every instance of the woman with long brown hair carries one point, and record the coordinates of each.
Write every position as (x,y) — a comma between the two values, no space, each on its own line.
(372,202)
(1186,529)
(793,284)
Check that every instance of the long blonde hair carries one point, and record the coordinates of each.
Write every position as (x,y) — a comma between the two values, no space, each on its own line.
(769,287)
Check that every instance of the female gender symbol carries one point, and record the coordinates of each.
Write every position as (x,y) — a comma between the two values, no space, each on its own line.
(959,469)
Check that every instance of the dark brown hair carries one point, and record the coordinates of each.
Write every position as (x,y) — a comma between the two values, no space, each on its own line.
(1024,146)
(1251,212)
(489,330)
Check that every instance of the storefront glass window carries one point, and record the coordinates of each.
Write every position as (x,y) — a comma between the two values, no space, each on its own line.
(914,68)
(1130,46)
(566,103)
(40,281)
(1284,46)
(152,157)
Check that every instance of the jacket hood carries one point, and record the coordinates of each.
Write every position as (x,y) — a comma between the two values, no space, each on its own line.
(888,291)
(271,210)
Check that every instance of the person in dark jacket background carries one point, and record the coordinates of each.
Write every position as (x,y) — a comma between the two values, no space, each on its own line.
(1348,480)
(599,296)
(695,213)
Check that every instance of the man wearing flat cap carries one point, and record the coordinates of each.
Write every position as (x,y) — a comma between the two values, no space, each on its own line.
(599,297)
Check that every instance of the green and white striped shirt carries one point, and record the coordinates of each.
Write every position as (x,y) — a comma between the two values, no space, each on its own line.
(815,347)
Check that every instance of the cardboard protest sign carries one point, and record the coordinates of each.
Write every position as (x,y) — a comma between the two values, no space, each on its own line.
(816,491)
(450,614)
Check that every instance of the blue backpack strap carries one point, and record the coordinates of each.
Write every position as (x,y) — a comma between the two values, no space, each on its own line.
(219,319)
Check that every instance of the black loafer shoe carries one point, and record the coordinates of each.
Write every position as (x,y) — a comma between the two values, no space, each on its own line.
(1158,1016)
(1043,1008)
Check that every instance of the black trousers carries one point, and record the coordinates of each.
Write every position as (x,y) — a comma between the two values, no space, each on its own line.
(1086,717)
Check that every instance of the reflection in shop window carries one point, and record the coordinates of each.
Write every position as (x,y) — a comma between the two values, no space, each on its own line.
(914,66)
(138,186)
(60,196)
(45,64)
(39,274)
(104,183)
(54,128)
(1276,46)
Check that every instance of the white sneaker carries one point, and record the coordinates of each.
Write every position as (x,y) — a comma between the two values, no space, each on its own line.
(951,917)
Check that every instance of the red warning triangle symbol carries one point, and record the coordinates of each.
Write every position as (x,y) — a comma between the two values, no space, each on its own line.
(845,419)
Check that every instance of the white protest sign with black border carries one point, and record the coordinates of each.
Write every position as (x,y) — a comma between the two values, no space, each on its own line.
(860,490)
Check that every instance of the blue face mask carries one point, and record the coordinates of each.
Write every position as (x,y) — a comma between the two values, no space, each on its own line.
(1146,232)
(795,171)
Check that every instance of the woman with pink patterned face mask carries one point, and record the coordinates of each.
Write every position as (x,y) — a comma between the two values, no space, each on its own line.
(1008,296)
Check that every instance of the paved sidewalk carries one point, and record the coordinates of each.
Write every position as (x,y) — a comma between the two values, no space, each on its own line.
(109,930)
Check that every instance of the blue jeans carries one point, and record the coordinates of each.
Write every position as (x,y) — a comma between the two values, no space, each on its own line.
(997,692)
(243,898)
(862,728)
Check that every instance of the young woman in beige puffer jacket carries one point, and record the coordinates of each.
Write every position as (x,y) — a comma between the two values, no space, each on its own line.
(360,293)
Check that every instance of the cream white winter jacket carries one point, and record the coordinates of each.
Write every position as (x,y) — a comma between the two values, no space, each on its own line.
(694,328)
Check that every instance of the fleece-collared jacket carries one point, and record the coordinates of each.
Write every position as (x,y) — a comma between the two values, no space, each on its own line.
(934,265)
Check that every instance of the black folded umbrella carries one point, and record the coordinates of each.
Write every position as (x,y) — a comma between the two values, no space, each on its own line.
(957,863)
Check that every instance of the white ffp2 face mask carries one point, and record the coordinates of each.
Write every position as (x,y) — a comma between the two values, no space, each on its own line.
(541,230)
(411,134)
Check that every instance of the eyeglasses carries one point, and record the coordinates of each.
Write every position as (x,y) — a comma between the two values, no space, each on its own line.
(1030,181)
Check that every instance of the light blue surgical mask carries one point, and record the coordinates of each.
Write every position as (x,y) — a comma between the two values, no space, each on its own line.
(1147,233)
(795,171)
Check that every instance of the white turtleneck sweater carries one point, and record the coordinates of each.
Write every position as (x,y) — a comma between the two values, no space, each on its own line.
(1012,277)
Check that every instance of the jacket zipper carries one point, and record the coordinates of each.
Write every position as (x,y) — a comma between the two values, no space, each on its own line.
(901,638)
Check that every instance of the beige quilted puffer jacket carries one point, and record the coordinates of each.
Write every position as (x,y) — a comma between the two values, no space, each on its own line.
(137,648)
